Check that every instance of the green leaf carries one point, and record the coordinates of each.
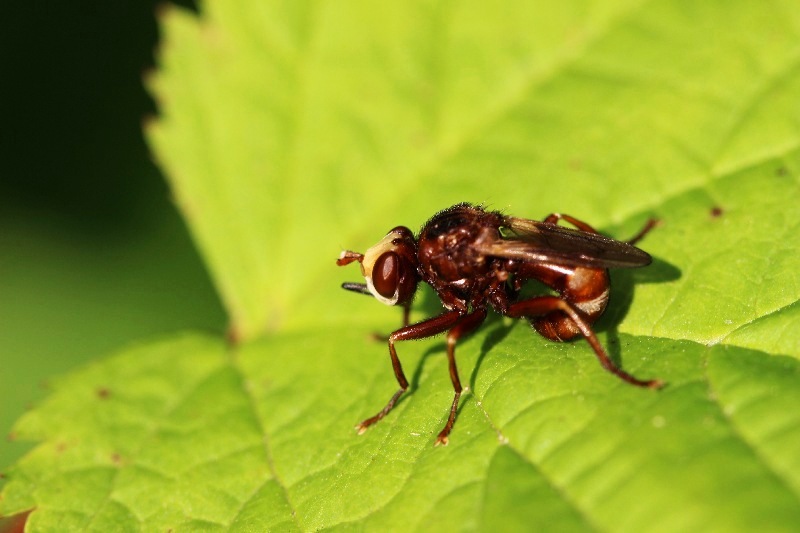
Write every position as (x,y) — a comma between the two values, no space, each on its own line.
(195,437)
(292,130)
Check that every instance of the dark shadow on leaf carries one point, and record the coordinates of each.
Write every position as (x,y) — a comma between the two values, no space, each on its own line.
(659,271)
(623,287)
(438,348)
(499,331)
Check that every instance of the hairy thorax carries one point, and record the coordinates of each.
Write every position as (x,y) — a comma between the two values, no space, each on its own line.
(449,259)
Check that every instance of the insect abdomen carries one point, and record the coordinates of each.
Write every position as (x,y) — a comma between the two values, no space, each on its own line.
(585,288)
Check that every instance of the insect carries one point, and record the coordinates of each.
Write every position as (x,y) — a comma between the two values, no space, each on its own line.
(477,259)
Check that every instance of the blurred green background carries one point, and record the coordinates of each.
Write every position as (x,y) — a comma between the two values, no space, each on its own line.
(93,255)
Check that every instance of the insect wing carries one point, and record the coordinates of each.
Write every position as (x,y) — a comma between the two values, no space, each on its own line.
(541,242)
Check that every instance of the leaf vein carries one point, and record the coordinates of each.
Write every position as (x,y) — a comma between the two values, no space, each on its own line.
(752,446)
(265,439)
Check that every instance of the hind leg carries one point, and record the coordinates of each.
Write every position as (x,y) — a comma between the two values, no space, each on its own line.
(543,305)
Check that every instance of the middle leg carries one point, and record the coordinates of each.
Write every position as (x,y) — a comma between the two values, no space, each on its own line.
(426,328)
(464,326)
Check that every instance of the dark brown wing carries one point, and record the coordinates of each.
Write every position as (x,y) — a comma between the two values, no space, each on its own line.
(540,242)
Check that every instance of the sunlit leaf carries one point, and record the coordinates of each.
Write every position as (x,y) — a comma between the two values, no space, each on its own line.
(289,131)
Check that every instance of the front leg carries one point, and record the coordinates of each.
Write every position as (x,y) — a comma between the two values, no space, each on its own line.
(427,328)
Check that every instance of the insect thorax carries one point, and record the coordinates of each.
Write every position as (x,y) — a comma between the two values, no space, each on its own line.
(447,251)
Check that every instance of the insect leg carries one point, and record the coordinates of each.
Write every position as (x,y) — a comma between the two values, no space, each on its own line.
(426,328)
(406,313)
(650,224)
(347,257)
(543,305)
(466,325)
(583,226)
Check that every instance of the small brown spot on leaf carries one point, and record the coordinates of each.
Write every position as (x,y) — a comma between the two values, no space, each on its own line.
(103,393)
(233,335)
(716,211)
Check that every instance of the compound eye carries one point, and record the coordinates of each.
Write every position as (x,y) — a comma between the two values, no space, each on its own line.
(386,274)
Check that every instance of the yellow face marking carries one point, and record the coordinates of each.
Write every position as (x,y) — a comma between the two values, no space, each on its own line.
(371,257)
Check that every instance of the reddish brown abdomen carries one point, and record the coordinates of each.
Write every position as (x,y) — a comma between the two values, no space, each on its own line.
(585,288)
